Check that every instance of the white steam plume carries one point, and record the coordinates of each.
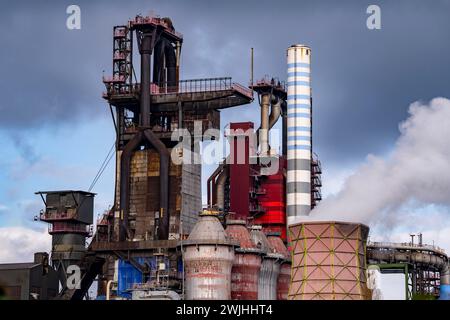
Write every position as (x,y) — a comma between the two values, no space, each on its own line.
(417,170)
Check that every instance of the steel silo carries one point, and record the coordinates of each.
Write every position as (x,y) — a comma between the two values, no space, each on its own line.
(247,262)
(208,256)
(270,267)
(284,277)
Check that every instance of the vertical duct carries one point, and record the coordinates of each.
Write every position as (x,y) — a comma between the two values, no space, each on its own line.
(146,53)
(299,132)
(264,132)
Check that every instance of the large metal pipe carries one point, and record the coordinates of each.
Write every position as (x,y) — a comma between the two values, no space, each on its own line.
(108,289)
(164,155)
(146,52)
(211,186)
(264,128)
(284,127)
(275,112)
(220,188)
(165,58)
(125,162)
(445,274)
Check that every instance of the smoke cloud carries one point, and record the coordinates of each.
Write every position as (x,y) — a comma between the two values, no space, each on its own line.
(416,171)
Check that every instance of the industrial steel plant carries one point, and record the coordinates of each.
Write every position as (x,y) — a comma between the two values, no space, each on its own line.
(254,240)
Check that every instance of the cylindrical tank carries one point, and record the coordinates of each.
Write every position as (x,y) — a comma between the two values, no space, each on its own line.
(284,278)
(329,261)
(208,255)
(299,131)
(270,267)
(247,262)
(444,289)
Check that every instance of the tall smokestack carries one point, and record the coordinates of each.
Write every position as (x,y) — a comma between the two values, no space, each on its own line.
(299,131)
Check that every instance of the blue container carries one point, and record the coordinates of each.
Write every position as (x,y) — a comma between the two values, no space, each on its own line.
(128,275)
(445,292)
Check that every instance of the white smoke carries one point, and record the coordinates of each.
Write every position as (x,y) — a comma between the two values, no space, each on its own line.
(417,171)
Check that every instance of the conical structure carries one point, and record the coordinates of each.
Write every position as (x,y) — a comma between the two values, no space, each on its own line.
(208,255)
(284,277)
(270,267)
(247,262)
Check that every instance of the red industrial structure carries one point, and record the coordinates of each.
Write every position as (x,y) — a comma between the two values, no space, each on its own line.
(242,184)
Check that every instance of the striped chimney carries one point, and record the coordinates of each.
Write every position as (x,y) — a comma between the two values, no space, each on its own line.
(299,131)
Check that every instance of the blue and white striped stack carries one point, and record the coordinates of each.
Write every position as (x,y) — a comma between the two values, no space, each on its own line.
(299,132)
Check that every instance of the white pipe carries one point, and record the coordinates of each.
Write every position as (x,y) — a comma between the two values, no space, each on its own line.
(275,113)
(108,289)
(264,131)
(220,188)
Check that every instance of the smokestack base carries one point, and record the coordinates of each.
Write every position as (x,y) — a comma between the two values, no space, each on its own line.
(328,261)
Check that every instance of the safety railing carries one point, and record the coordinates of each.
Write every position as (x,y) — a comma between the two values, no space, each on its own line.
(193,86)
(140,20)
(120,32)
(62,227)
(242,90)
(54,215)
(405,245)
(184,86)
(120,56)
(113,79)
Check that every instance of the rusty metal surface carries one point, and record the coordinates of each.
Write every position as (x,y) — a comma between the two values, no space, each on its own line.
(328,261)
(208,255)
(132,245)
(284,276)
(284,280)
(247,263)
(270,267)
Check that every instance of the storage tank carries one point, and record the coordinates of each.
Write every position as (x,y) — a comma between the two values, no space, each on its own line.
(444,293)
(270,267)
(284,278)
(247,262)
(299,133)
(208,255)
(329,261)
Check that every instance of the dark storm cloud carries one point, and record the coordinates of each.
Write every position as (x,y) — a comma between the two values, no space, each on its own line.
(363,81)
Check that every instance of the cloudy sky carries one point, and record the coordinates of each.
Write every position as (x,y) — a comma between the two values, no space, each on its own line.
(55,129)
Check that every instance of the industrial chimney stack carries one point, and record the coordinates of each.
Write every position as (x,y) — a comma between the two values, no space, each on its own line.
(299,131)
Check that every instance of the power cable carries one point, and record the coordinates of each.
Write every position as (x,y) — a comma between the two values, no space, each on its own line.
(102,167)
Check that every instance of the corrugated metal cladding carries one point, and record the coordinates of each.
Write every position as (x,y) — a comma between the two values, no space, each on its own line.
(299,130)
(191,193)
(329,261)
(184,194)
(273,202)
